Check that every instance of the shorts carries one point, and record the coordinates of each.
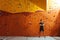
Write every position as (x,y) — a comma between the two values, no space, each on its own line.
(41,29)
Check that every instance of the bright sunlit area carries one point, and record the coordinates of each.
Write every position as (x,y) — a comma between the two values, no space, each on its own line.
(53,4)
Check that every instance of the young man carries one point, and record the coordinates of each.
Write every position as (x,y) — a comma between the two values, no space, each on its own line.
(41,27)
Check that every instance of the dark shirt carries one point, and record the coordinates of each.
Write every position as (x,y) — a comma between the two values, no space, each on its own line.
(41,26)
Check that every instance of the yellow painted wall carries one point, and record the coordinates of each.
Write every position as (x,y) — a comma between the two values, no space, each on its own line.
(20,5)
(40,3)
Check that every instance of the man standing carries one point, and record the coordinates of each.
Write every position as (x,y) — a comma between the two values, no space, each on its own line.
(41,27)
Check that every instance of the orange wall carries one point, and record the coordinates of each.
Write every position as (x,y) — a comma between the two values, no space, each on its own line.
(27,23)
(56,27)
(21,18)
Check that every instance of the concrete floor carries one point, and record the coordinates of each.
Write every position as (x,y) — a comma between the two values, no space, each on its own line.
(30,38)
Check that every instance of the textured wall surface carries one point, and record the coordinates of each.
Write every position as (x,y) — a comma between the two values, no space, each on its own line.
(27,23)
(56,28)
(22,5)
(22,18)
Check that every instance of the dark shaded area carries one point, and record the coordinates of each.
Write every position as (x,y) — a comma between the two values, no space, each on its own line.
(2,13)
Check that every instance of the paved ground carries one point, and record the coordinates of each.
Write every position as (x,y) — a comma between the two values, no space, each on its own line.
(30,38)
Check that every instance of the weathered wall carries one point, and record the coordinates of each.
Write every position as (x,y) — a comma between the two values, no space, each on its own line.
(56,27)
(22,5)
(27,23)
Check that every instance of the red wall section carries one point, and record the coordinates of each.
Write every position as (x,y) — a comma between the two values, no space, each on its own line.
(26,24)
(56,29)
